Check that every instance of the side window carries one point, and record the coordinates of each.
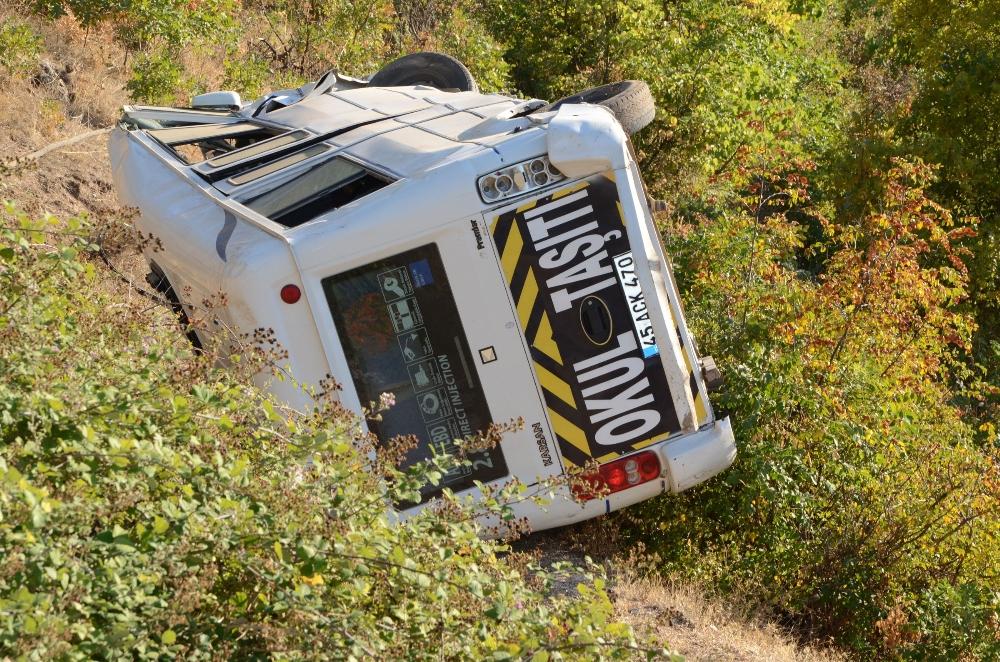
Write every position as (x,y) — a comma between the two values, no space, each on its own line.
(198,142)
(401,333)
(323,187)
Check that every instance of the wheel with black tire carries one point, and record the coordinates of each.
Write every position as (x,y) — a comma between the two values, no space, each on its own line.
(426,68)
(159,282)
(630,101)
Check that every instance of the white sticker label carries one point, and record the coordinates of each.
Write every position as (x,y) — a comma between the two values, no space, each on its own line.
(405,314)
(629,279)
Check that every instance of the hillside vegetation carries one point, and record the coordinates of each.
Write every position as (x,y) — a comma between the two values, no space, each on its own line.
(831,173)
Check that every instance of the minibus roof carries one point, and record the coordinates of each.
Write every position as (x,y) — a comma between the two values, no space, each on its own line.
(402,130)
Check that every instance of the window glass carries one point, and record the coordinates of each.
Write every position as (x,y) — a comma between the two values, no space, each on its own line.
(322,188)
(274,166)
(401,333)
(197,142)
(257,149)
(195,132)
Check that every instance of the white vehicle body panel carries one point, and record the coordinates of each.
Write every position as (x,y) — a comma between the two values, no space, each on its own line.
(434,145)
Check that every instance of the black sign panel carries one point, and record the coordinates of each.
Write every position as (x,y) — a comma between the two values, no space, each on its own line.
(567,261)
(401,334)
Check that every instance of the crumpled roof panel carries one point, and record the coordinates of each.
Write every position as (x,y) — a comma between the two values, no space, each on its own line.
(406,150)
(422,125)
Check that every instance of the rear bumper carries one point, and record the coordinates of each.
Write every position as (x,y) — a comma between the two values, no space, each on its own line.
(687,460)
(696,457)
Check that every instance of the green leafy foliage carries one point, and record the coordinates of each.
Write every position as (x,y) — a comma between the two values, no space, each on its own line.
(152,506)
(156,79)
(459,34)
(308,37)
(156,32)
(88,12)
(859,502)
(955,52)
(19,48)
(282,43)
(250,75)
(709,64)
(927,70)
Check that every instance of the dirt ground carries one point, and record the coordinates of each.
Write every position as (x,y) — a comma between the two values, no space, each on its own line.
(680,614)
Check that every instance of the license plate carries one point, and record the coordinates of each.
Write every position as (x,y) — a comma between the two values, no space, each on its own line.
(629,279)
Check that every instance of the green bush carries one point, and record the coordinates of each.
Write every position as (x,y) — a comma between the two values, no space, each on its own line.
(305,38)
(955,622)
(152,506)
(859,503)
(143,24)
(460,31)
(157,33)
(927,68)
(709,64)
(250,76)
(156,79)
(146,24)
(19,48)
(88,12)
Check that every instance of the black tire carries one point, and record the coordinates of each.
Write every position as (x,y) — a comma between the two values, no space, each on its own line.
(159,281)
(630,101)
(435,69)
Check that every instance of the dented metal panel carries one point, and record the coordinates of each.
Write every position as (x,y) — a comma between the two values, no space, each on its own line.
(326,113)
(405,151)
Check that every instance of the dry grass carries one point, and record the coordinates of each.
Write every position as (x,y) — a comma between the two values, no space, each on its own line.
(76,179)
(677,614)
(704,628)
(87,92)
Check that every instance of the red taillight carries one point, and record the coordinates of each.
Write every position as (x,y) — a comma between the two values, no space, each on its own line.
(649,467)
(291,293)
(621,474)
(615,478)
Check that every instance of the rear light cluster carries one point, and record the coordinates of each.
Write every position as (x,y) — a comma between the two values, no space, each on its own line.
(517,179)
(620,475)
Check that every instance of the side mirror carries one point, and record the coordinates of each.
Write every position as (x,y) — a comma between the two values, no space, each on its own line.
(227,100)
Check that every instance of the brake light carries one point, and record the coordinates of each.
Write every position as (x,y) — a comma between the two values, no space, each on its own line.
(290,293)
(620,475)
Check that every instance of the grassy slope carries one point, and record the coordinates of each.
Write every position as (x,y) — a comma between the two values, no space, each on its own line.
(77,180)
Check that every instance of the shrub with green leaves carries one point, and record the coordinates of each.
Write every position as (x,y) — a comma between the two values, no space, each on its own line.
(708,63)
(156,79)
(19,48)
(152,506)
(860,502)
(249,75)
(156,32)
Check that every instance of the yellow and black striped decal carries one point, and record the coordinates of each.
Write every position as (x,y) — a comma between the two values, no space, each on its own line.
(597,363)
